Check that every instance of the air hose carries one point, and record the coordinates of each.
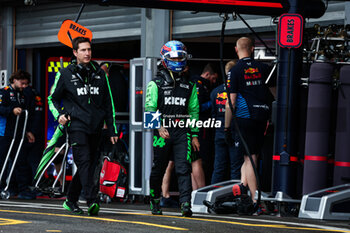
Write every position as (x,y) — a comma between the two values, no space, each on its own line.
(222,37)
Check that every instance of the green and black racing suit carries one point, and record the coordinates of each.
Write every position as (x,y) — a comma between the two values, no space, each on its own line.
(176,102)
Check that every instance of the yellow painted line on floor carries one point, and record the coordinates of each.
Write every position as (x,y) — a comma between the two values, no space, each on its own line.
(241,223)
(269,225)
(97,218)
(53,231)
(5,221)
(276,226)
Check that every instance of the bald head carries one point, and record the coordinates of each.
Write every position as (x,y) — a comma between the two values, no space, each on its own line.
(244,47)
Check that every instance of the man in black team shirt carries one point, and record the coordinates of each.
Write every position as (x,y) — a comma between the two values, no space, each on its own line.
(81,98)
(249,96)
(204,158)
(227,157)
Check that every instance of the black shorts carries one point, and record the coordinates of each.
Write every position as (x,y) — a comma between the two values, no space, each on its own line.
(253,134)
(195,155)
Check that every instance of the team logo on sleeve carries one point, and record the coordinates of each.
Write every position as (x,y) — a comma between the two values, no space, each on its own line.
(228,83)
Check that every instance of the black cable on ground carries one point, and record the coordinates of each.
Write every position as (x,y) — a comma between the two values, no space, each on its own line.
(222,37)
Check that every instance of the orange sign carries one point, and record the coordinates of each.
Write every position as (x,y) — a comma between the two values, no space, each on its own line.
(70,30)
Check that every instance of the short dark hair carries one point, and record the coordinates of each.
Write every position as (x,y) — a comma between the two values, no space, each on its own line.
(20,75)
(77,40)
(210,68)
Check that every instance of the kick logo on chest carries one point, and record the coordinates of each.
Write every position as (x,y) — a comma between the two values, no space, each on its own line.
(175,101)
(84,91)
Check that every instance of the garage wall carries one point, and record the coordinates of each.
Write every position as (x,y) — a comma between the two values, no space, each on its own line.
(39,25)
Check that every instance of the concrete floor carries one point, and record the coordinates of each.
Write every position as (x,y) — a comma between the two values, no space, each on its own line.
(47,215)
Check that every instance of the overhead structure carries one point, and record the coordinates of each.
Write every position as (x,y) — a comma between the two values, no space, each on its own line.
(260,7)
(310,8)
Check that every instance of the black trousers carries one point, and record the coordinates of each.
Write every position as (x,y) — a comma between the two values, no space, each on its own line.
(85,157)
(28,162)
(4,147)
(180,147)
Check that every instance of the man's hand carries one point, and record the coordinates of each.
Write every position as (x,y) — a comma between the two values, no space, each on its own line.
(163,132)
(228,137)
(30,137)
(114,140)
(17,111)
(63,119)
(195,144)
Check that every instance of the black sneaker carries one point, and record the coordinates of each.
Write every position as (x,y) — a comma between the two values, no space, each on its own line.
(27,195)
(239,190)
(155,207)
(72,207)
(93,209)
(186,209)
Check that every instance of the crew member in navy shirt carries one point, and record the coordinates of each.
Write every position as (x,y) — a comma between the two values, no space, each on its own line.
(249,96)
(227,157)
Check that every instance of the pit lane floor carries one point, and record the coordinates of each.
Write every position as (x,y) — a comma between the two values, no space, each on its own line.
(47,215)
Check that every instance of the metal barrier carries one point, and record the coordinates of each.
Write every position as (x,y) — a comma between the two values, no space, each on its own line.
(142,70)
(5,194)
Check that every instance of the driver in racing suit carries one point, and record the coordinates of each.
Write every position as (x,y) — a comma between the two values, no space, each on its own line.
(175,97)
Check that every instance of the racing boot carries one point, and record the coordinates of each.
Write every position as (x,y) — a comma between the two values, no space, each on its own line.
(239,190)
(93,209)
(155,207)
(186,209)
(72,207)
